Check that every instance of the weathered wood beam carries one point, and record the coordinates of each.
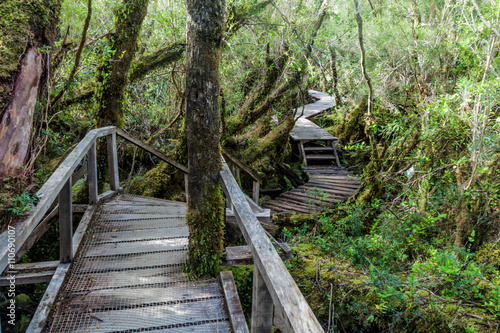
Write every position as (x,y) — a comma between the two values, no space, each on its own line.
(151,150)
(37,272)
(262,304)
(233,303)
(286,296)
(242,255)
(232,159)
(114,181)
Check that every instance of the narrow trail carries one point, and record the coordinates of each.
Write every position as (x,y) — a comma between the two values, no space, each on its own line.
(327,183)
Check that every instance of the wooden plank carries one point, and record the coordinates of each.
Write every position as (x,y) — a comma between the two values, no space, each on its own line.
(324,200)
(242,255)
(160,316)
(318,149)
(235,310)
(352,179)
(114,181)
(124,217)
(107,195)
(306,199)
(317,157)
(37,272)
(134,261)
(65,224)
(92,175)
(232,159)
(122,248)
(39,319)
(134,278)
(327,190)
(108,298)
(347,186)
(298,205)
(143,234)
(112,209)
(151,150)
(79,173)
(82,227)
(29,278)
(295,208)
(286,296)
(137,224)
(262,305)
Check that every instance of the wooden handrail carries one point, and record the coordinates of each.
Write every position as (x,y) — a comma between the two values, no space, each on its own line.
(151,150)
(272,281)
(61,178)
(257,181)
(227,155)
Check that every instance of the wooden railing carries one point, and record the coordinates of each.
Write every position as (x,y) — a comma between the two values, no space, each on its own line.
(274,289)
(237,167)
(58,186)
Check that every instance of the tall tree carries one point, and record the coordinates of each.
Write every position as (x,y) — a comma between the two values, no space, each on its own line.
(205,22)
(113,74)
(26,28)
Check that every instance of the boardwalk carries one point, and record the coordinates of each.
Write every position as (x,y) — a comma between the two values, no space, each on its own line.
(121,270)
(327,183)
(128,275)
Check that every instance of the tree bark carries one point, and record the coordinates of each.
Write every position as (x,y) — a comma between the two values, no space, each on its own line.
(113,74)
(17,121)
(29,26)
(205,22)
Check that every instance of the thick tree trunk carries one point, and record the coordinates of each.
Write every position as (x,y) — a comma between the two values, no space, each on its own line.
(28,26)
(17,121)
(113,74)
(205,205)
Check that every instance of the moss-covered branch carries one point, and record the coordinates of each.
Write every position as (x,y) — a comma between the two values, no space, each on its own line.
(157,59)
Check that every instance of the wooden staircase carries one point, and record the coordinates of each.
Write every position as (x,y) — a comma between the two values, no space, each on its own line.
(328,181)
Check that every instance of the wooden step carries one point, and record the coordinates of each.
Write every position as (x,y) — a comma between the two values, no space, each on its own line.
(320,157)
(316,149)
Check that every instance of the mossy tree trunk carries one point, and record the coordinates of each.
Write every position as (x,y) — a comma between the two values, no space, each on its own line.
(26,28)
(205,21)
(113,73)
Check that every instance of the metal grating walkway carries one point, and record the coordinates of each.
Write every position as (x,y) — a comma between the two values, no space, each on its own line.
(127,276)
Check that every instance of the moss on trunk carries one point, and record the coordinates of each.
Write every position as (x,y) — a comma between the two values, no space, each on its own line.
(205,204)
(113,73)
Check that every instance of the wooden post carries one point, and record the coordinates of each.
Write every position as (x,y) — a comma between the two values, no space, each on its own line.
(256,192)
(302,152)
(262,305)
(92,175)
(237,175)
(66,223)
(336,155)
(114,182)
(186,179)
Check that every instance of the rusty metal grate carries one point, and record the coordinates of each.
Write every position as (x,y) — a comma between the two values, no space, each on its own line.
(128,276)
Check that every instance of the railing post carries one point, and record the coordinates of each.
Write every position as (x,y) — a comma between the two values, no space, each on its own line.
(262,304)
(92,174)
(256,192)
(186,179)
(114,182)
(65,223)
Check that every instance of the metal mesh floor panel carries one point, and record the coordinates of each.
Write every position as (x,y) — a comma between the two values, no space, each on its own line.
(128,275)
